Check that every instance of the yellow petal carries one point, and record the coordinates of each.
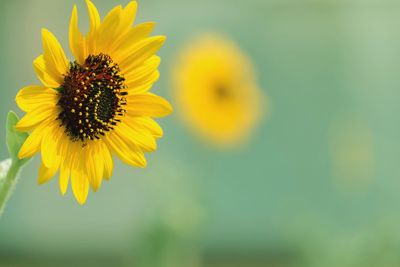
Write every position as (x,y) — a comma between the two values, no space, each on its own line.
(80,185)
(44,75)
(136,34)
(108,30)
(94,17)
(50,148)
(76,40)
(94,165)
(132,134)
(124,33)
(139,53)
(139,89)
(32,97)
(148,105)
(66,151)
(32,144)
(108,161)
(78,177)
(94,20)
(131,155)
(34,117)
(54,57)
(128,16)
(64,179)
(136,85)
(146,69)
(147,123)
(146,74)
(45,174)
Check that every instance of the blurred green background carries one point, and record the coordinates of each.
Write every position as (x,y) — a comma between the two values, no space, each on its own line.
(317,184)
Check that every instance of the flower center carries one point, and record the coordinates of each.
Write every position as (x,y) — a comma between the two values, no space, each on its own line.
(222,92)
(91,98)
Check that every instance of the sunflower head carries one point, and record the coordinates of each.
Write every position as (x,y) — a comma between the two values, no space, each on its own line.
(216,90)
(96,105)
(98,86)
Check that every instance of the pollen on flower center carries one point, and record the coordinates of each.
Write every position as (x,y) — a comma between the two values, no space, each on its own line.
(92,98)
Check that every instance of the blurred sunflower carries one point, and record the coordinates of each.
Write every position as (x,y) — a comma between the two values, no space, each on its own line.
(216,91)
(98,104)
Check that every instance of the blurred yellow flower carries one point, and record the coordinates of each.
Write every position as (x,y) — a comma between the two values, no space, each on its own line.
(351,147)
(97,105)
(216,91)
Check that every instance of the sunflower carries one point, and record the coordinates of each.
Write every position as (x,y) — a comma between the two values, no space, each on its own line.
(216,90)
(95,106)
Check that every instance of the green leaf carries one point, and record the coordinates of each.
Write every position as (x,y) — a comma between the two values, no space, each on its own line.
(15,139)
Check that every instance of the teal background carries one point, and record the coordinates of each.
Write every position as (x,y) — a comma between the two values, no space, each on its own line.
(330,71)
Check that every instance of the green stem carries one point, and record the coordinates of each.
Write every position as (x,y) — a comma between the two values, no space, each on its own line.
(7,186)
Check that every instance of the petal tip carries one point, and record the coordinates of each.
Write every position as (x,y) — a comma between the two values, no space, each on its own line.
(169,107)
(162,39)
(133,3)
(45,31)
(81,202)
(40,181)
(95,188)
(74,11)
(81,199)
(143,164)
(20,127)
(21,155)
